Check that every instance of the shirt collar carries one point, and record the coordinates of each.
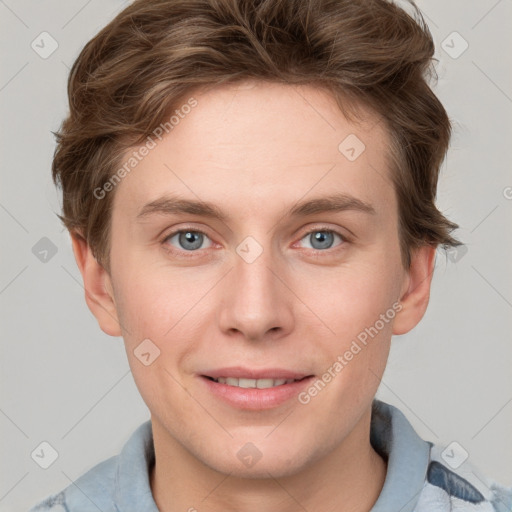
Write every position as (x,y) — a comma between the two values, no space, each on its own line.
(407,455)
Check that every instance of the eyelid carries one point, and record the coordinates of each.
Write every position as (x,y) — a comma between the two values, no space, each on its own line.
(182,229)
(324,228)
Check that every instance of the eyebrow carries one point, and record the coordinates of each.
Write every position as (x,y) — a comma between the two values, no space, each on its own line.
(172,205)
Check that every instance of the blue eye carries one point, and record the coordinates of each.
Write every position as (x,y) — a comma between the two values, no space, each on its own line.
(188,240)
(321,239)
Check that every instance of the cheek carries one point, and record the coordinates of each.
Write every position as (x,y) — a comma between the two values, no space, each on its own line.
(359,307)
(353,298)
(360,312)
(157,329)
(153,303)
(171,310)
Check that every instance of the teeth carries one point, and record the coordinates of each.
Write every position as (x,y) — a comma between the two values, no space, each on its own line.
(246,383)
(253,383)
(268,383)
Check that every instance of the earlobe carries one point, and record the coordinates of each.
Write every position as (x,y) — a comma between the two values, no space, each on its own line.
(416,292)
(97,285)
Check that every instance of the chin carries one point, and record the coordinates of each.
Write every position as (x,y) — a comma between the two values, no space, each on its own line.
(252,463)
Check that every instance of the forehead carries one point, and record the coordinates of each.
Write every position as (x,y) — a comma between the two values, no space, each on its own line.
(257,143)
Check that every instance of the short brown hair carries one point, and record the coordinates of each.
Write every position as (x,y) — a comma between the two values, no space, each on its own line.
(137,69)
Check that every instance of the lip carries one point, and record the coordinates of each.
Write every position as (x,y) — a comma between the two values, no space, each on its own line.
(253,398)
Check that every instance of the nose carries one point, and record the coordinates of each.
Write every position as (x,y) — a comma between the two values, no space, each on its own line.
(255,301)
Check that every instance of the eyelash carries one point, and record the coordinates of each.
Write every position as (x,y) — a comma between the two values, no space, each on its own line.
(191,254)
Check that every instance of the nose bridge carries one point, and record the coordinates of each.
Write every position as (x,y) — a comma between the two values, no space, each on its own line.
(256,301)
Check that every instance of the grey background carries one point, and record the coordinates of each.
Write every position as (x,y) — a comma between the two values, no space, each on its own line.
(65,382)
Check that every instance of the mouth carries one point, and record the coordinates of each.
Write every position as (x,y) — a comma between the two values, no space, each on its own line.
(248,389)
(248,383)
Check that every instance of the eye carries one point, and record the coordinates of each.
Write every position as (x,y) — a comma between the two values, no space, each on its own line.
(188,240)
(322,239)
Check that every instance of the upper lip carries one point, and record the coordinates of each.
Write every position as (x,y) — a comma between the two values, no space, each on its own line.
(253,373)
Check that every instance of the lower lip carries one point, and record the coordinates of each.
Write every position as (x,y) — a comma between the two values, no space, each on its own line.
(254,398)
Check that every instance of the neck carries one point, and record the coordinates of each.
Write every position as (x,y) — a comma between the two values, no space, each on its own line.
(349,479)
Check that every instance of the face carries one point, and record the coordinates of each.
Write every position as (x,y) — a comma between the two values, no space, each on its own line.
(255,249)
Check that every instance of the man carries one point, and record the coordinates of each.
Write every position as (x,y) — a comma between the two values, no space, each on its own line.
(250,190)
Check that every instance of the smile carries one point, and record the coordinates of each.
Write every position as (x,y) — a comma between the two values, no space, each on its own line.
(243,388)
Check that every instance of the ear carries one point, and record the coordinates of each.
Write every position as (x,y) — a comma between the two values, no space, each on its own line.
(98,287)
(415,291)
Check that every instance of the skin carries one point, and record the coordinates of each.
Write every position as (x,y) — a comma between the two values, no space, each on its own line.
(256,150)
